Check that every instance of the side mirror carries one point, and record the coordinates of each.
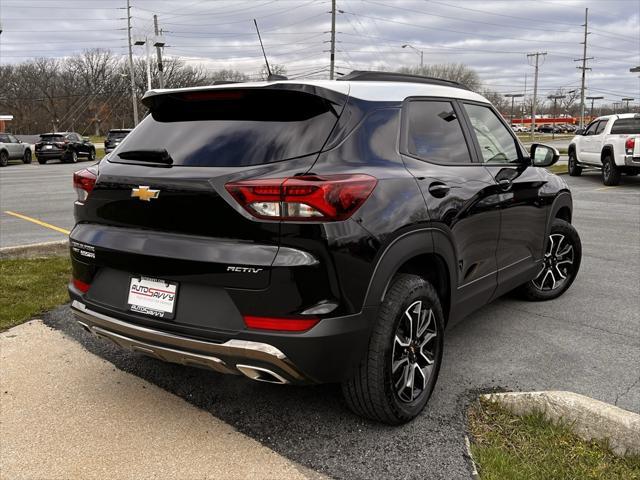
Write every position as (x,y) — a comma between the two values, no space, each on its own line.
(543,155)
(580,131)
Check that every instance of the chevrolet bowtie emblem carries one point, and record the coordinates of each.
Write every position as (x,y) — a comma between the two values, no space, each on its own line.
(144,193)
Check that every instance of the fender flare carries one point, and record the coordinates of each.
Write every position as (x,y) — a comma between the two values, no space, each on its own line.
(562,200)
(402,248)
(605,148)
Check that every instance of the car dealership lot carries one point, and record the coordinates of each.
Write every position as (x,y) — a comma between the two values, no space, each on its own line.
(587,341)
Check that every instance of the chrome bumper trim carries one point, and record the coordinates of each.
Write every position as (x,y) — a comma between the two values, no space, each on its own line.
(220,357)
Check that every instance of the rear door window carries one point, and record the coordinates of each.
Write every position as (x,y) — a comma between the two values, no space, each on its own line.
(626,126)
(234,128)
(434,133)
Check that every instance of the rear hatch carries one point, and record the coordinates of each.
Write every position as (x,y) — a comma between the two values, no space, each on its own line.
(51,143)
(160,207)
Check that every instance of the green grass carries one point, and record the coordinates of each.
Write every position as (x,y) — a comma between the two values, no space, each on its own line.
(97,139)
(557,168)
(99,153)
(31,286)
(508,447)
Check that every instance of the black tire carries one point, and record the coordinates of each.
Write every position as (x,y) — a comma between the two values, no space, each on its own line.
(562,235)
(42,161)
(573,168)
(4,159)
(372,392)
(92,155)
(610,173)
(27,158)
(71,157)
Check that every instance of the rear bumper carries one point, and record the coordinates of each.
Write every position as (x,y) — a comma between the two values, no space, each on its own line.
(631,161)
(327,353)
(50,154)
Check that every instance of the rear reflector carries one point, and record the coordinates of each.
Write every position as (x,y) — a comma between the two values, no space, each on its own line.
(80,285)
(308,197)
(281,324)
(83,183)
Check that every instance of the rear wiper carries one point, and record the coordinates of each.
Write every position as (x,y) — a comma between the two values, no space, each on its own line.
(154,156)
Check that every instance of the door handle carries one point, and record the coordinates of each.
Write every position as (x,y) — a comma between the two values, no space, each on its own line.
(438,190)
(505,184)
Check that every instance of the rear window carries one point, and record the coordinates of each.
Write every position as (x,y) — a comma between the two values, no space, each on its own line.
(52,138)
(628,126)
(241,127)
(114,135)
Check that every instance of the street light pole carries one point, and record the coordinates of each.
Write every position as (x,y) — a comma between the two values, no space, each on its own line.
(417,50)
(145,41)
(592,100)
(513,96)
(555,99)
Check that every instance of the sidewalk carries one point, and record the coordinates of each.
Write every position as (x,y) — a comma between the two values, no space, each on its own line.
(67,414)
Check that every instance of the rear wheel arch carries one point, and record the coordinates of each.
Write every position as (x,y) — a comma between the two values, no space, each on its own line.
(427,253)
(607,151)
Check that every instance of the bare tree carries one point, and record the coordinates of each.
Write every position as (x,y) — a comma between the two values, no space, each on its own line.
(456,72)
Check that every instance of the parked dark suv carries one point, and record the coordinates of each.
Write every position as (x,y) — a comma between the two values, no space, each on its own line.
(114,137)
(65,146)
(316,231)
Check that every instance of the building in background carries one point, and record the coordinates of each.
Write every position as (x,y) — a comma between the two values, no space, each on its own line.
(3,121)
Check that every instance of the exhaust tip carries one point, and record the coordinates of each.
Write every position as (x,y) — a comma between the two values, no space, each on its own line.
(260,374)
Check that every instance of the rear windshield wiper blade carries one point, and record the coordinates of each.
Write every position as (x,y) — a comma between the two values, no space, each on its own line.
(154,156)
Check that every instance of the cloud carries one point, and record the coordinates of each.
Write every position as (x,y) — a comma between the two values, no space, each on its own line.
(492,36)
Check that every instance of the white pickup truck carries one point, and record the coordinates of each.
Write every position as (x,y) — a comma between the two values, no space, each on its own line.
(13,149)
(610,143)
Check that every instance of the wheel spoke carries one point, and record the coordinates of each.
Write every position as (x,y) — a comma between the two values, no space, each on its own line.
(568,249)
(562,275)
(425,322)
(400,343)
(398,363)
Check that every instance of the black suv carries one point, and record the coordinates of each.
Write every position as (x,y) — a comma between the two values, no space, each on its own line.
(316,231)
(65,146)
(114,137)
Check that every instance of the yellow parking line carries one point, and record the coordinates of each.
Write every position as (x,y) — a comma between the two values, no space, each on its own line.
(603,188)
(38,222)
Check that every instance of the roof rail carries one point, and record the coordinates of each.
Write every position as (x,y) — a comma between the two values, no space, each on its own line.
(374,76)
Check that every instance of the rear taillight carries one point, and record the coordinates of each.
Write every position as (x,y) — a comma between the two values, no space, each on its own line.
(83,183)
(309,197)
(80,285)
(629,145)
(280,324)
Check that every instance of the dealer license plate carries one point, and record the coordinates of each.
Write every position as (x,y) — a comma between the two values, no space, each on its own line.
(153,297)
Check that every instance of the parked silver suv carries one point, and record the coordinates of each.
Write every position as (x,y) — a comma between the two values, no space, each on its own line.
(13,149)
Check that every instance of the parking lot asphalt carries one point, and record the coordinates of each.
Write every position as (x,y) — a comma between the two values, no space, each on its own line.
(587,341)
(43,192)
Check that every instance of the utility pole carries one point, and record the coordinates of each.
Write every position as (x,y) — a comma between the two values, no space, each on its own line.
(584,67)
(134,100)
(513,96)
(333,39)
(535,90)
(159,52)
(555,99)
(627,100)
(592,100)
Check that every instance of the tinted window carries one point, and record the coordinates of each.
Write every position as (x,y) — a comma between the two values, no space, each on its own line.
(12,139)
(591,129)
(117,135)
(52,138)
(629,126)
(4,138)
(601,126)
(434,133)
(497,144)
(239,127)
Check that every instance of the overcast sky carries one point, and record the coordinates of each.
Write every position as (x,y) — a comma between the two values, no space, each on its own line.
(492,36)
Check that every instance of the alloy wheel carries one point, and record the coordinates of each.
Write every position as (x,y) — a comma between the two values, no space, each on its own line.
(414,352)
(557,265)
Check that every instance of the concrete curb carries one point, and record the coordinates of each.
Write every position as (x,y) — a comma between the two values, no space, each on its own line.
(588,418)
(45,249)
